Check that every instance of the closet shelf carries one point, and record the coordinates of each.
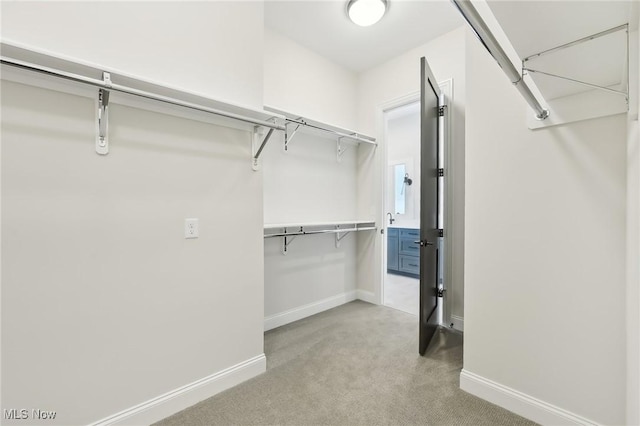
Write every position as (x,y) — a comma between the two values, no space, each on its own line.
(294,123)
(316,224)
(289,231)
(75,76)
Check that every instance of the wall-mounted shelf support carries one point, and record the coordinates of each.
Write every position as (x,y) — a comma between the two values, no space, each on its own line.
(625,84)
(318,228)
(288,239)
(584,83)
(258,145)
(288,137)
(102,139)
(340,149)
(340,237)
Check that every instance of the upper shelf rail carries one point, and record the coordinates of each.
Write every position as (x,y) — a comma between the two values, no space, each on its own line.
(354,136)
(579,41)
(294,123)
(133,91)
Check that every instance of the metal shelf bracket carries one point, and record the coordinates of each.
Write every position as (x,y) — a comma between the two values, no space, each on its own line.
(102,139)
(625,92)
(340,149)
(288,137)
(258,144)
(340,237)
(286,240)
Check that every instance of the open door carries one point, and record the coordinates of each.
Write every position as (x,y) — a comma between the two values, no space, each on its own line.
(429,232)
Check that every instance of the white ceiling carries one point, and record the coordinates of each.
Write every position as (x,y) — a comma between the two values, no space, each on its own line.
(532,26)
(323,26)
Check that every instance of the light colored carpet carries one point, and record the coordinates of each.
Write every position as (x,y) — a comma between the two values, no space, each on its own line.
(356,364)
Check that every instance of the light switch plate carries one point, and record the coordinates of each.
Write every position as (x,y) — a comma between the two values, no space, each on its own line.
(191,228)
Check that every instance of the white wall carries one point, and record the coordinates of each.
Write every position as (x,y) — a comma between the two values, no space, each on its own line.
(182,44)
(300,81)
(395,79)
(105,305)
(544,253)
(307,184)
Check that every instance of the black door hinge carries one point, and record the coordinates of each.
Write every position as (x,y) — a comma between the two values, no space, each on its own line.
(441,292)
(440,172)
(441,232)
(441,110)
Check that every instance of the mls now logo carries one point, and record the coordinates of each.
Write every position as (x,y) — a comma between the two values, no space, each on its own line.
(23,414)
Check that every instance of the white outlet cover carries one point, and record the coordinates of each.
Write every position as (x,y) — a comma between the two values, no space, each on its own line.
(191,228)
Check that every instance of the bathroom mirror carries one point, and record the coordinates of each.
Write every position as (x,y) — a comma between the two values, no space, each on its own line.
(399,188)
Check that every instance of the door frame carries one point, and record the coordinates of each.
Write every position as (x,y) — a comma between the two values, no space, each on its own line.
(446,87)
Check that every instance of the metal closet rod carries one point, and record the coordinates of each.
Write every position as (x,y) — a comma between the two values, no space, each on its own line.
(480,28)
(324,231)
(334,132)
(131,91)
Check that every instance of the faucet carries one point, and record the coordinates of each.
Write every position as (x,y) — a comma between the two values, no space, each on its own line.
(391,219)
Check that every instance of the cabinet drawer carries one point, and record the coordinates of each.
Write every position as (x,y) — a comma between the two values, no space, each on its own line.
(410,264)
(409,247)
(392,232)
(410,233)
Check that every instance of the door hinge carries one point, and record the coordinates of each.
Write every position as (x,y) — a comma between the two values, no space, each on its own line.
(441,232)
(441,110)
(441,292)
(440,172)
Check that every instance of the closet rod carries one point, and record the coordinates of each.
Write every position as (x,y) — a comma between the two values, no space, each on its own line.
(131,91)
(353,136)
(324,231)
(480,28)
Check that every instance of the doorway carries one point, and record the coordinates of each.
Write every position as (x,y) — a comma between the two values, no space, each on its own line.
(402,208)
(401,202)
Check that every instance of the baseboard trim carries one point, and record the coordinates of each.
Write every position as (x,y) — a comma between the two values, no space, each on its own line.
(178,399)
(518,402)
(295,314)
(458,322)
(366,296)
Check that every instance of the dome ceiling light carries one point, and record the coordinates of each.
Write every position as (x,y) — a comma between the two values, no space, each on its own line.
(366,12)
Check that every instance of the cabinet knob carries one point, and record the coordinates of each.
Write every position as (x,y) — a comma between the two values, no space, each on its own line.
(423,243)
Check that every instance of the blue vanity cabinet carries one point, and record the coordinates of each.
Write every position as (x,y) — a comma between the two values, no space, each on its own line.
(392,249)
(403,254)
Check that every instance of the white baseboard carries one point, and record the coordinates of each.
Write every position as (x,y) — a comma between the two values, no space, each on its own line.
(518,402)
(295,314)
(458,322)
(178,399)
(366,296)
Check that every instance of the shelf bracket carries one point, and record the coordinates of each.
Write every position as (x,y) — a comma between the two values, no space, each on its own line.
(288,137)
(259,144)
(102,139)
(584,83)
(340,237)
(625,92)
(286,240)
(340,149)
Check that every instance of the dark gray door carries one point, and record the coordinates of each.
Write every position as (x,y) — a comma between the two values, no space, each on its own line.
(429,97)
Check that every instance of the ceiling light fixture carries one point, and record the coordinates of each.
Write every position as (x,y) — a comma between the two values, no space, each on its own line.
(366,12)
